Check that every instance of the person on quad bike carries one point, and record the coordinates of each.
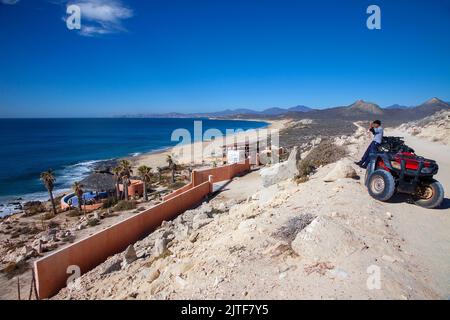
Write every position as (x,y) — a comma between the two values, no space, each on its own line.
(377,131)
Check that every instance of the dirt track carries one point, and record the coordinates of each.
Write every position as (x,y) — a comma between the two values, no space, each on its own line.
(426,231)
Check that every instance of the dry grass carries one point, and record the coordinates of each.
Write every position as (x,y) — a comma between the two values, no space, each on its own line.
(289,231)
(325,153)
(125,205)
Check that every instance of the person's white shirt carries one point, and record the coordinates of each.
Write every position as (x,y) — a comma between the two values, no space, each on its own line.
(378,134)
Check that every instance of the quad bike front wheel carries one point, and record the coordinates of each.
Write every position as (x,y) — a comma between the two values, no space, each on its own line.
(430,194)
(381,185)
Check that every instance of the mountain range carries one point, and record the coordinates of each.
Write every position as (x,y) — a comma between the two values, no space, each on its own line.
(360,109)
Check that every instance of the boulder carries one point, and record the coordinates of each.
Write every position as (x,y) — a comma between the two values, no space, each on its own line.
(281,171)
(324,239)
(112,264)
(343,169)
(160,246)
(130,255)
(200,220)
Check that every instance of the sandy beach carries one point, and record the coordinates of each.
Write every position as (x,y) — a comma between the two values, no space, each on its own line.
(183,155)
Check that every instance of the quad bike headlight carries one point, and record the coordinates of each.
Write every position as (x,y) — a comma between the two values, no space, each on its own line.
(396,165)
(426,170)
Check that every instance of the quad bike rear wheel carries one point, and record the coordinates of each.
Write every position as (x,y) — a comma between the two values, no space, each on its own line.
(381,185)
(430,194)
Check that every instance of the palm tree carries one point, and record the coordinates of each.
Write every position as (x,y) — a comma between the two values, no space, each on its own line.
(49,180)
(146,174)
(117,171)
(126,172)
(172,166)
(78,190)
(159,170)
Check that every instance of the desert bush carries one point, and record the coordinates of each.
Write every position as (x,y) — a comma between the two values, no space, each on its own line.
(177,184)
(124,205)
(53,224)
(33,207)
(47,216)
(93,222)
(74,213)
(325,153)
(110,202)
(289,231)
(13,269)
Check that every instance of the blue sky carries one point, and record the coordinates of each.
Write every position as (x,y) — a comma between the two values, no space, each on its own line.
(141,56)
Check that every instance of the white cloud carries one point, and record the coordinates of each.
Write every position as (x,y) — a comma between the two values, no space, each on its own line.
(9,1)
(102,16)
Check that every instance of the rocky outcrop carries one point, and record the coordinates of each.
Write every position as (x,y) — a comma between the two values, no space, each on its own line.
(343,169)
(435,127)
(281,171)
(325,240)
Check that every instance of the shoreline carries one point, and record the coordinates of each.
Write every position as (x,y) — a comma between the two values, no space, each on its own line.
(11,204)
(158,158)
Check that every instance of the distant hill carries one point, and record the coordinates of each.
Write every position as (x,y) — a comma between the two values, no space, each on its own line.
(359,110)
(228,113)
(396,106)
(362,106)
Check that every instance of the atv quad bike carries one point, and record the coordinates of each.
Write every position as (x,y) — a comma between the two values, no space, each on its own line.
(396,168)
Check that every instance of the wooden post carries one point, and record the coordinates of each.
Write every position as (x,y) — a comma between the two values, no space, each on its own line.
(18,288)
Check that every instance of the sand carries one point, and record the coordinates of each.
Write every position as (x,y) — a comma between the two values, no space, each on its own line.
(158,159)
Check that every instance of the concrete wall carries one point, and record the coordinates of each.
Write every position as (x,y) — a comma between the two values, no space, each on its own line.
(51,271)
(219,174)
(178,191)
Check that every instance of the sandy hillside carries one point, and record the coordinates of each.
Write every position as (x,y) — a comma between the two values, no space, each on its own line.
(321,240)
(434,128)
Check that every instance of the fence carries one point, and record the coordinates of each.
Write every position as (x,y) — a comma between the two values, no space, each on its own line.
(51,271)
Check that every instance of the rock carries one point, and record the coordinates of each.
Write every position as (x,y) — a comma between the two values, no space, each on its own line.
(277,249)
(160,246)
(97,215)
(325,240)
(205,208)
(130,254)
(111,265)
(181,231)
(389,215)
(343,169)
(281,171)
(193,237)
(247,225)
(28,252)
(222,206)
(37,245)
(180,281)
(200,220)
(153,275)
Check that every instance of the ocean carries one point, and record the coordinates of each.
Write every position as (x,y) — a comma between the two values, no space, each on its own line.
(72,147)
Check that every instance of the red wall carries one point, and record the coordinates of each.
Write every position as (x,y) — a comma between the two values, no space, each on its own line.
(50,271)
